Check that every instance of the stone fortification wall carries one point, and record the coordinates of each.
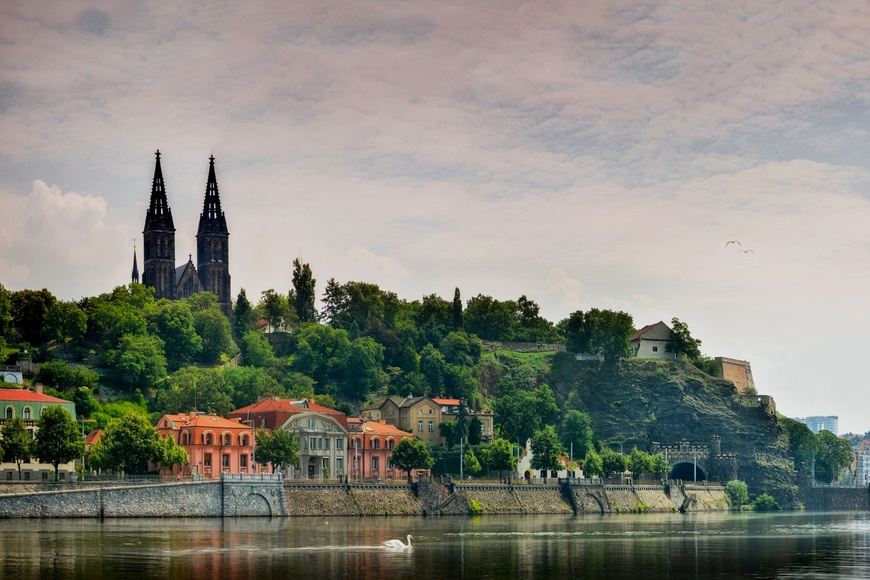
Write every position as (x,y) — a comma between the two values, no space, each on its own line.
(494,345)
(491,499)
(386,500)
(655,501)
(706,499)
(319,501)
(543,500)
(836,498)
(432,496)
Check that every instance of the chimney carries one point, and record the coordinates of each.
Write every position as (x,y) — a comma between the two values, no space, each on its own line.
(38,388)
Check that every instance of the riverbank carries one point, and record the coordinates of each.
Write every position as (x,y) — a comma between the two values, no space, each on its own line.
(270,496)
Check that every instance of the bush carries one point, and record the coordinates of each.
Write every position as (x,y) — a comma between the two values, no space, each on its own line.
(737,494)
(764,503)
(474,507)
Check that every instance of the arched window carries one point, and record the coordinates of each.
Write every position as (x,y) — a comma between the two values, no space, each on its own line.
(376,443)
(208,438)
(186,438)
(228,439)
(243,440)
(166,423)
(10,412)
(390,443)
(27,412)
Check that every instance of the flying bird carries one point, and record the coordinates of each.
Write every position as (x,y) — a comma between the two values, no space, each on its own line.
(398,544)
(745,251)
(728,243)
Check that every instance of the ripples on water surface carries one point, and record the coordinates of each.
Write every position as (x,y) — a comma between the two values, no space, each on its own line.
(785,545)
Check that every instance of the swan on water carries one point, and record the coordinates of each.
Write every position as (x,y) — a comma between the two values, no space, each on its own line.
(398,544)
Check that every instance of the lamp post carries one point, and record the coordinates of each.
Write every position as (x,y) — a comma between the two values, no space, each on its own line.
(253,445)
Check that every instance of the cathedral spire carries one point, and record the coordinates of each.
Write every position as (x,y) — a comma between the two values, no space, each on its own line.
(135,276)
(159,215)
(212,218)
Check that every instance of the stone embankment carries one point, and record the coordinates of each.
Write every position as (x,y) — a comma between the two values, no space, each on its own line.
(273,497)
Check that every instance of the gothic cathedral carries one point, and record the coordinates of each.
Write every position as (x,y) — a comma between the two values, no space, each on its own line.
(212,270)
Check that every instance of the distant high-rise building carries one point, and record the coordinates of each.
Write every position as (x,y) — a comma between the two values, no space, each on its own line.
(212,271)
(818,423)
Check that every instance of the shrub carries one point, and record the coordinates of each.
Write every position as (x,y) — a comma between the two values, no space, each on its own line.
(765,502)
(737,494)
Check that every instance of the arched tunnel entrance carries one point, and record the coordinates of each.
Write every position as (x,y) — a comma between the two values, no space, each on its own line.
(686,472)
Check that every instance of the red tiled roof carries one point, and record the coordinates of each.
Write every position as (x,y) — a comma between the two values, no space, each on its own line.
(205,421)
(277,410)
(381,428)
(93,436)
(28,396)
(640,332)
(448,402)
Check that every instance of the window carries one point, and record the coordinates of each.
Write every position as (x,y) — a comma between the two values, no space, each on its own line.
(186,438)
(655,349)
(375,463)
(228,439)
(27,412)
(419,411)
(225,461)
(419,425)
(326,442)
(312,443)
(207,438)
(26,476)
(430,410)
(243,440)
(376,443)
(311,423)
(339,443)
(207,460)
(243,460)
(9,413)
(320,442)
(339,464)
(166,423)
(431,425)
(390,443)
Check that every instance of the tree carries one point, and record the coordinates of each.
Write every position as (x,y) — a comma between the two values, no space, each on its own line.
(519,413)
(576,429)
(433,366)
(214,329)
(488,318)
(765,502)
(592,464)
(334,301)
(58,439)
(17,442)
(500,456)
(802,442)
(737,493)
(660,465)
(475,430)
(60,375)
(138,360)
(170,453)
(244,319)
(65,321)
(321,352)
(411,454)
(196,388)
(640,462)
(28,309)
(278,447)
(129,444)
(256,350)
(602,332)
(175,327)
(682,341)
(363,368)
(248,385)
(470,464)
(546,450)
(613,462)
(5,312)
(275,308)
(457,310)
(302,295)
(835,454)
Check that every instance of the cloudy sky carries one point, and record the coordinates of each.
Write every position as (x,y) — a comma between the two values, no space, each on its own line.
(585,154)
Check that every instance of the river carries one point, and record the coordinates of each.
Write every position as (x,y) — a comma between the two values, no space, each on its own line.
(699,545)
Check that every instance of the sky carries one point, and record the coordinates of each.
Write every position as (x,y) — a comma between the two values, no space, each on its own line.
(584,154)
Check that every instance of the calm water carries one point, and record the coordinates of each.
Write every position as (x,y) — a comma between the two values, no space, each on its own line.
(789,545)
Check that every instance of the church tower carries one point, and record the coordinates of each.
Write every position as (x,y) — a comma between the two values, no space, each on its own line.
(213,245)
(158,267)
(134,277)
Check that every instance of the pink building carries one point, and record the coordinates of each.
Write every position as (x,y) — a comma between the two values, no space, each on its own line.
(214,445)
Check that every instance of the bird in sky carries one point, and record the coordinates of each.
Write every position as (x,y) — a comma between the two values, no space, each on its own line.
(745,251)
(729,242)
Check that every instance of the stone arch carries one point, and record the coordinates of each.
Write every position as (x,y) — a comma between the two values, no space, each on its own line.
(254,504)
(686,472)
(591,505)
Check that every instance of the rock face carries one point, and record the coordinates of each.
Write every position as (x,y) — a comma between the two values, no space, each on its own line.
(638,402)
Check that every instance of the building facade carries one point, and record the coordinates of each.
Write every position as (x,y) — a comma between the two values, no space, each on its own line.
(28,405)
(211,272)
(652,341)
(423,416)
(818,423)
(370,449)
(214,445)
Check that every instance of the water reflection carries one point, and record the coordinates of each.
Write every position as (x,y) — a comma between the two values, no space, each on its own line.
(650,546)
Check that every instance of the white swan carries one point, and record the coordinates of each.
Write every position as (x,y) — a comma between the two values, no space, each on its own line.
(398,544)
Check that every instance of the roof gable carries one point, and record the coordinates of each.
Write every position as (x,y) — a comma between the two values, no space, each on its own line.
(657,331)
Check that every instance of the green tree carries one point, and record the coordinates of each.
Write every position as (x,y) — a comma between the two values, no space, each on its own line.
(802,442)
(660,465)
(470,464)
(194,388)
(60,375)
(765,502)
(613,462)
(489,319)
(519,413)
(457,310)
(58,439)
(500,456)
(129,444)
(546,450)
(214,329)
(576,429)
(301,297)
(530,326)
(682,342)
(65,321)
(604,332)
(5,312)
(321,352)
(248,385)
(363,369)
(334,301)
(244,319)
(640,462)
(278,447)
(256,350)
(737,493)
(138,360)
(835,455)
(170,453)
(275,309)
(17,443)
(175,328)
(28,309)
(593,464)
(433,367)
(411,454)
(475,430)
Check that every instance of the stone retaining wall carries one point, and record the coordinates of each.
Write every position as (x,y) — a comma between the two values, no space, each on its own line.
(386,501)
(319,502)
(836,498)
(542,501)
(706,499)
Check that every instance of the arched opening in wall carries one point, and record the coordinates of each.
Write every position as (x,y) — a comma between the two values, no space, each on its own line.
(686,472)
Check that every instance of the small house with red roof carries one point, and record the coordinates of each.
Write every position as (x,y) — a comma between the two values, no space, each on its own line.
(214,445)
(322,433)
(652,341)
(28,405)
(370,448)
